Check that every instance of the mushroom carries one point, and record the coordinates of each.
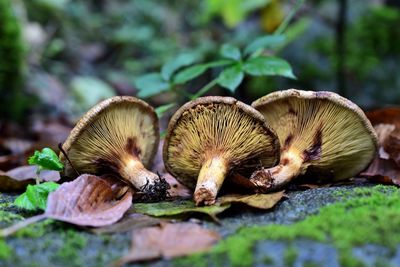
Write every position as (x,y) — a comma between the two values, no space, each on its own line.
(119,135)
(211,136)
(322,135)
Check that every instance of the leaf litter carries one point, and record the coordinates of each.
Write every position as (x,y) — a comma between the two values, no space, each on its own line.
(385,168)
(19,178)
(86,201)
(168,241)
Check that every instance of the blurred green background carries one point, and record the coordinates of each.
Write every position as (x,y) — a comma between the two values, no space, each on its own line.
(60,57)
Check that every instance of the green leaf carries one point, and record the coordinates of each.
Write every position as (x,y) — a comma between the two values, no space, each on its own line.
(150,85)
(230,51)
(269,42)
(189,73)
(180,61)
(179,207)
(35,196)
(268,66)
(232,11)
(192,72)
(47,159)
(23,202)
(164,108)
(231,77)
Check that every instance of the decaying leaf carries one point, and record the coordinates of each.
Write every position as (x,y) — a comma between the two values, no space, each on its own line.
(168,241)
(14,152)
(385,168)
(259,201)
(17,179)
(86,201)
(385,115)
(178,207)
(392,146)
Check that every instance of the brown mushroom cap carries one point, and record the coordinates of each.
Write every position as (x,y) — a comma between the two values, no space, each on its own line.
(217,128)
(330,134)
(116,132)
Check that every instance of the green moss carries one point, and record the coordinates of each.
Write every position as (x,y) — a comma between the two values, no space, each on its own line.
(73,242)
(361,219)
(9,217)
(290,256)
(5,250)
(35,230)
(311,264)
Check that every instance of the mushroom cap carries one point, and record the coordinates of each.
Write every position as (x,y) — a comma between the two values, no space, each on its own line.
(217,126)
(114,130)
(333,135)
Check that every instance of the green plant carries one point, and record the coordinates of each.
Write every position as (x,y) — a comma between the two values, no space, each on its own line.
(35,196)
(232,65)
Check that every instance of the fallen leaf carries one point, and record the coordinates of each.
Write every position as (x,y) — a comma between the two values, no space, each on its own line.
(168,241)
(383,168)
(176,190)
(18,179)
(178,207)
(14,152)
(383,171)
(385,115)
(86,201)
(392,146)
(259,201)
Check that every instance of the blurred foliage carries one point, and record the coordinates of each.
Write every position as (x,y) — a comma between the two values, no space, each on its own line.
(12,63)
(232,12)
(81,52)
(372,50)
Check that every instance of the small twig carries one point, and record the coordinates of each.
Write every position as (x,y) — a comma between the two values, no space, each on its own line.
(205,89)
(66,156)
(22,224)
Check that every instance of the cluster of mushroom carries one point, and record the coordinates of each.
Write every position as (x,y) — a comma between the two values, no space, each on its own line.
(281,136)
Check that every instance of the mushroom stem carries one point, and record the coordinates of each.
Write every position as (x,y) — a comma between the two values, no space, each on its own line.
(211,177)
(134,172)
(276,177)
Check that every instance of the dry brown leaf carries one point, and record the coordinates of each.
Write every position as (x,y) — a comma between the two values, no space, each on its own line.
(17,179)
(385,115)
(86,201)
(168,241)
(385,168)
(259,201)
(383,171)
(392,146)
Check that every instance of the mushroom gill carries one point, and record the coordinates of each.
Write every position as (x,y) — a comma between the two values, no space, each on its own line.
(211,136)
(322,135)
(119,135)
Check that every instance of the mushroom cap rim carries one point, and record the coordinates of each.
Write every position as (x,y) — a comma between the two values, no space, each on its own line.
(92,114)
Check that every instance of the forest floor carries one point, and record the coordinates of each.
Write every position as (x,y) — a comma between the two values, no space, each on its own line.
(350,225)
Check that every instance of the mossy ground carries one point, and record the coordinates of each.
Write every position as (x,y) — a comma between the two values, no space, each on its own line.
(337,221)
(361,217)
